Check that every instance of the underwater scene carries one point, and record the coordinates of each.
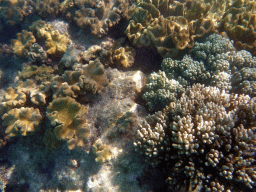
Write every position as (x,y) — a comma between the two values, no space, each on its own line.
(128,96)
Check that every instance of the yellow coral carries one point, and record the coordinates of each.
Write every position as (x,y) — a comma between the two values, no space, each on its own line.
(124,56)
(55,42)
(102,151)
(67,117)
(23,42)
(12,98)
(21,121)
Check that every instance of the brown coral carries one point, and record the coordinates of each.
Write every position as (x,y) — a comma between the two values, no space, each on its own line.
(55,42)
(21,121)
(22,44)
(164,24)
(68,118)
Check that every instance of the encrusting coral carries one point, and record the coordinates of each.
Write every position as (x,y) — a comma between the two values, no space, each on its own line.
(207,138)
(21,121)
(68,119)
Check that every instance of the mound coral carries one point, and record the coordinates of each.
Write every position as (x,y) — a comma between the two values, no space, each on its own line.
(21,121)
(68,119)
(207,138)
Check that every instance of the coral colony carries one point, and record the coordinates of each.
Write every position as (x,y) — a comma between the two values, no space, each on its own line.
(128,95)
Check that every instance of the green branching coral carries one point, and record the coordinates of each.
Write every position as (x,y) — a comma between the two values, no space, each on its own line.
(68,119)
(161,91)
(207,138)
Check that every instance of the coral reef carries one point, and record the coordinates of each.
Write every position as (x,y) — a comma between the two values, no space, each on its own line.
(55,42)
(102,15)
(22,44)
(13,12)
(163,25)
(21,121)
(239,24)
(68,118)
(202,139)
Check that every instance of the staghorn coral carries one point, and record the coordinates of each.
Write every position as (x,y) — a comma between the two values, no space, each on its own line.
(22,44)
(207,137)
(68,119)
(21,121)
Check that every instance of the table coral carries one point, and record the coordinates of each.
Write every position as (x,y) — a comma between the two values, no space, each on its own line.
(22,44)
(22,121)
(68,119)
(207,137)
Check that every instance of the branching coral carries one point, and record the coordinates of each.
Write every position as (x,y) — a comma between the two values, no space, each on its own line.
(21,121)
(207,137)
(68,118)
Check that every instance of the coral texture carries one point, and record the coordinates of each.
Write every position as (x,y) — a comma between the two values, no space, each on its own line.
(22,121)
(207,137)
(68,118)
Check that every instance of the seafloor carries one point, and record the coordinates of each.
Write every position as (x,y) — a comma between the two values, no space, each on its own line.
(128,96)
